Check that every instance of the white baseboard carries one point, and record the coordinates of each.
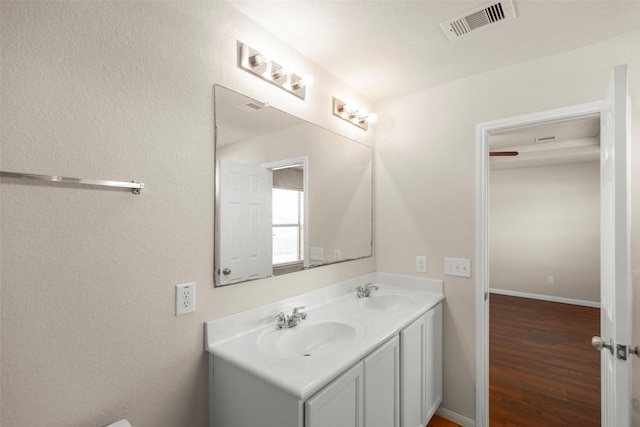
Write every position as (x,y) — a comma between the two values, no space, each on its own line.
(545,298)
(456,418)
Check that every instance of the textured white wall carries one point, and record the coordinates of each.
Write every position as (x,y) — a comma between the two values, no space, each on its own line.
(123,90)
(545,221)
(425,176)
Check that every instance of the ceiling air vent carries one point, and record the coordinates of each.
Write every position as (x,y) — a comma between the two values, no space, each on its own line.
(476,19)
(544,138)
(251,106)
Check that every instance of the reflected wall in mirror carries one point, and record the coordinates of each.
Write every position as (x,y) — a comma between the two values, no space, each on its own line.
(290,195)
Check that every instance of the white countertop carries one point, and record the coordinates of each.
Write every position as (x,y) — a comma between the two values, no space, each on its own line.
(237,338)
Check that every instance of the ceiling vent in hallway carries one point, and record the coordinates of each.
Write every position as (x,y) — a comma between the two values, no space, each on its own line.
(478,18)
(537,139)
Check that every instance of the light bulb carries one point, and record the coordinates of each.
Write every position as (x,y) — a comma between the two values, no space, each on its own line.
(372,119)
(257,60)
(305,81)
(350,107)
(280,73)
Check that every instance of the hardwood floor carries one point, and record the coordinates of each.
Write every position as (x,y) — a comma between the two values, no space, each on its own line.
(542,368)
(438,421)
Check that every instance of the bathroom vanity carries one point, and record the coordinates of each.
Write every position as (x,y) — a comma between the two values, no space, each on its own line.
(351,362)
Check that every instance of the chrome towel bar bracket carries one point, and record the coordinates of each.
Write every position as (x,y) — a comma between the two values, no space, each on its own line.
(135,186)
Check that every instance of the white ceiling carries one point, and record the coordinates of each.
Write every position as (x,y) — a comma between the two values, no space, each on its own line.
(235,122)
(385,48)
(561,142)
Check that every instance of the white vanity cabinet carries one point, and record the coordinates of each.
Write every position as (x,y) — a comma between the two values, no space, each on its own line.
(382,386)
(368,395)
(433,361)
(421,368)
(339,404)
(355,362)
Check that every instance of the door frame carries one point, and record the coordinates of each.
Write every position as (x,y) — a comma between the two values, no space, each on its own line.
(482,232)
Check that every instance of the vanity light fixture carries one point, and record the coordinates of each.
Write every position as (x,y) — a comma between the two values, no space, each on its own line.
(260,65)
(349,111)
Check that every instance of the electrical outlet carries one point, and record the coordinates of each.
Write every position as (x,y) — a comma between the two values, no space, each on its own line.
(316,254)
(457,267)
(421,264)
(185,298)
(550,280)
(337,254)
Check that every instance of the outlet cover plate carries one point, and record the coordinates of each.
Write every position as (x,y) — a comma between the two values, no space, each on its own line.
(316,254)
(185,298)
(421,264)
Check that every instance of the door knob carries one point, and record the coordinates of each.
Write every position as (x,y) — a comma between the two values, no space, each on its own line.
(598,343)
(226,272)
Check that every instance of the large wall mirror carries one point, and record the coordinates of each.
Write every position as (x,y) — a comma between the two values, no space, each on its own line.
(290,195)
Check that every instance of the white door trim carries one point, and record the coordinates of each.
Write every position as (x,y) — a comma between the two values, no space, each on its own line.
(482,233)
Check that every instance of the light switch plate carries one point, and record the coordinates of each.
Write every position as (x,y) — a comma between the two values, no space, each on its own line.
(457,267)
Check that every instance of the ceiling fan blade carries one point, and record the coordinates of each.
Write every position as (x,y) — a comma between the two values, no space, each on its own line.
(503,153)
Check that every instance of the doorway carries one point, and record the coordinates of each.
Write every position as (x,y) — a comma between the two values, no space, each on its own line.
(544,268)
(482,232)
(615,311)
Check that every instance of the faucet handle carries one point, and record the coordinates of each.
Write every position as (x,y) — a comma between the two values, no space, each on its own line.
(296,312)
(282,320)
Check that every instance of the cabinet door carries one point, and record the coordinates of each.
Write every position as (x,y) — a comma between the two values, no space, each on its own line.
(433,365)
(382,386)
(340,404)
(412,371)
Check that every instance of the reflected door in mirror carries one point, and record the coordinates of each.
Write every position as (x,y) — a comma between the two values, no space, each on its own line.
(245,222)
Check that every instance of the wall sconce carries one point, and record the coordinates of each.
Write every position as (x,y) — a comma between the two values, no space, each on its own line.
(349,111)
(259,64)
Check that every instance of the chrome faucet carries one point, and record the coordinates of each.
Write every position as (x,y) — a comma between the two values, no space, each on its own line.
(365,291)
(290,321)
(296,317)
(282,320)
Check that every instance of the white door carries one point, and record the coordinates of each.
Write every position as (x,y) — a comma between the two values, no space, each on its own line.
(245,222)
(615,274)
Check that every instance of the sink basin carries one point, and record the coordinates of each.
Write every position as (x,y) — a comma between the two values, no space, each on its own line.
(306,340)
(387,301)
